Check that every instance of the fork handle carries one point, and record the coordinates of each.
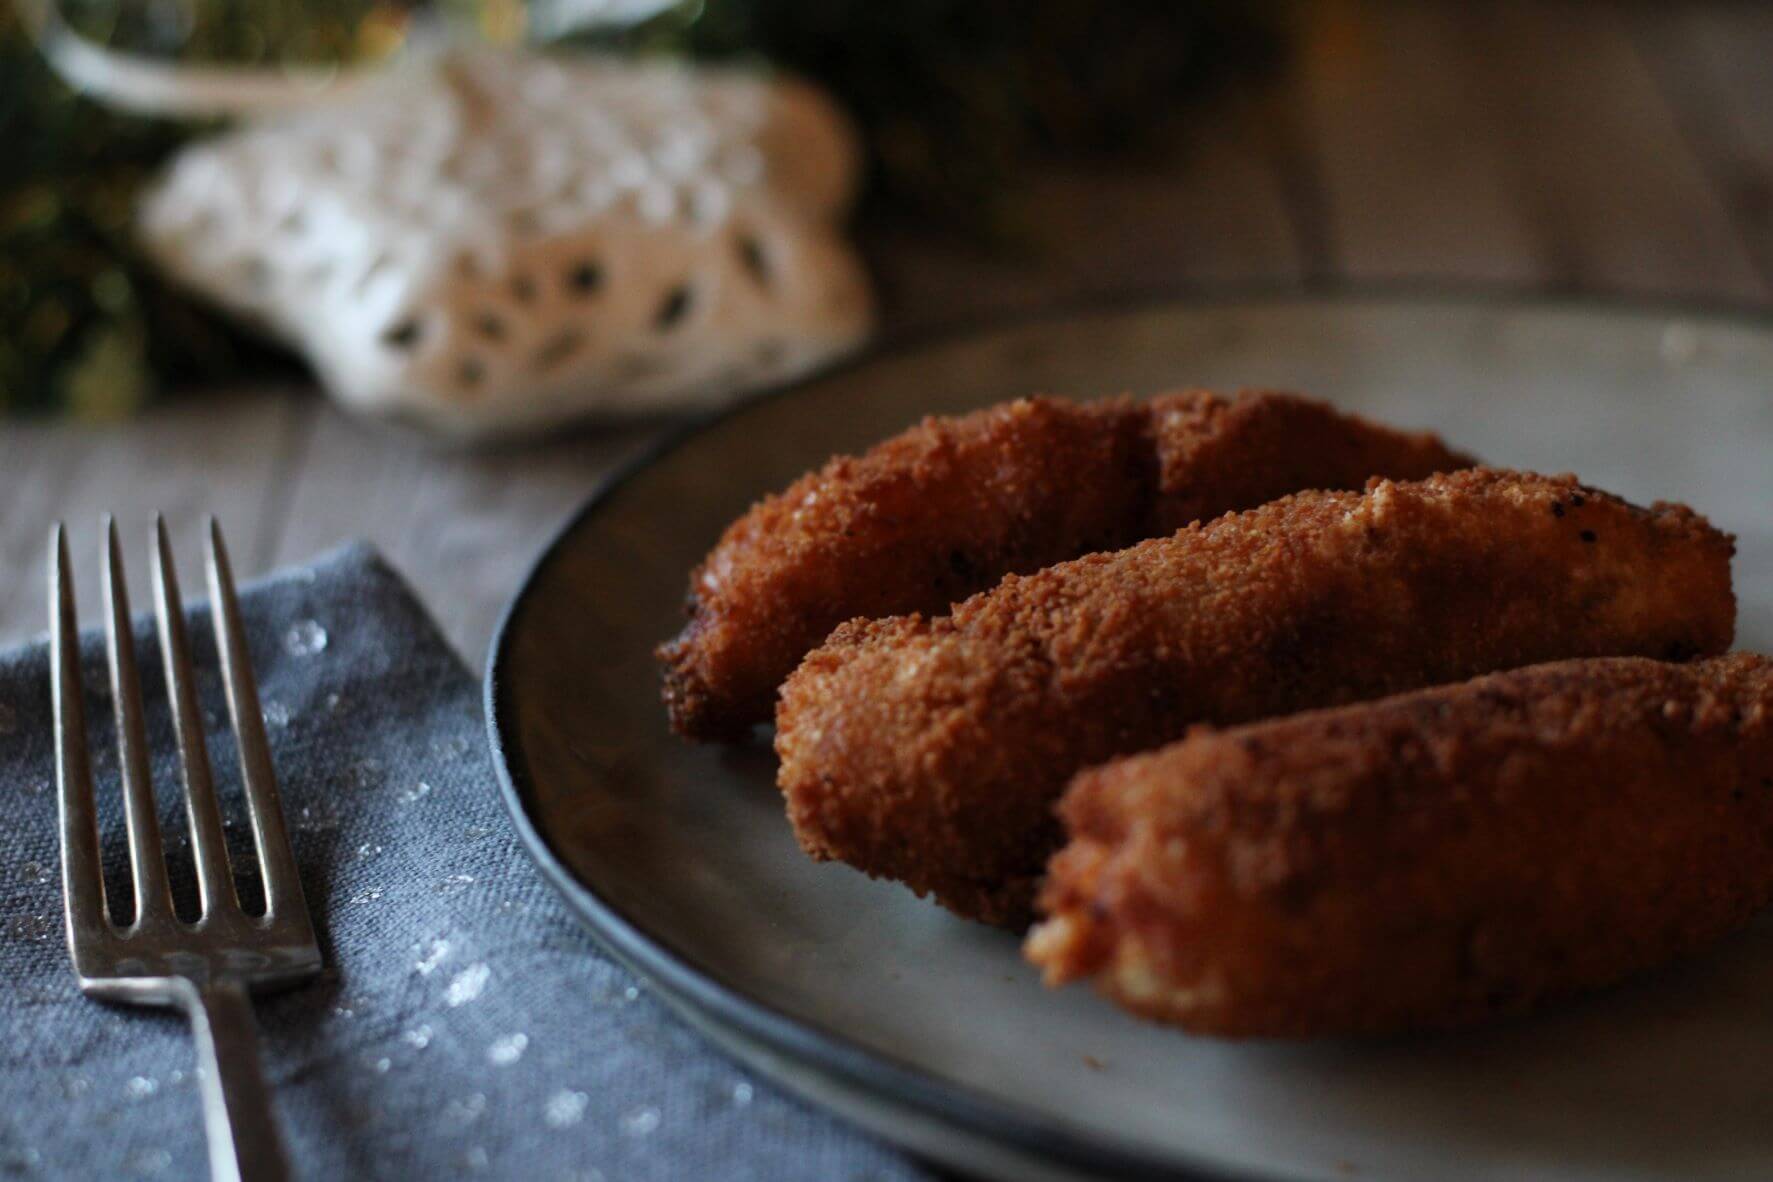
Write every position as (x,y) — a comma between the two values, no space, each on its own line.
(237,1116)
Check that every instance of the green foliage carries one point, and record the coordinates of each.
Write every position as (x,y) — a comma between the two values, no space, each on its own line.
(86,324)
(952,96)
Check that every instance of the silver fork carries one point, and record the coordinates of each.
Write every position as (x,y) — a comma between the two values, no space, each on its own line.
(207,968)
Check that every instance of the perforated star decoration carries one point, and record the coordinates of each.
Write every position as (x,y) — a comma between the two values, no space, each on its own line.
(494,242)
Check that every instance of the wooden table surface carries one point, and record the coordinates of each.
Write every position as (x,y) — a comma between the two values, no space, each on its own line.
(1550,146)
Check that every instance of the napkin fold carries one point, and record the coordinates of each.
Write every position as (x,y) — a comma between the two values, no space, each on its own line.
(465,1025)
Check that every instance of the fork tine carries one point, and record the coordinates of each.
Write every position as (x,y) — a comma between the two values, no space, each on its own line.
(153,900)
(208,848)
(283,886)
(83,884)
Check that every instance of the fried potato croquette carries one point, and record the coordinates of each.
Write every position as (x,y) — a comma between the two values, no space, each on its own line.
(1429,860)
(932,750)
(950,506)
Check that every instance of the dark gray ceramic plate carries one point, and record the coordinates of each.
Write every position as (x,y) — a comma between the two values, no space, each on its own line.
(932,1031)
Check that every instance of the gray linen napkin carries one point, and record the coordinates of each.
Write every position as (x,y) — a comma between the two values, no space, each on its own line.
(465,1025)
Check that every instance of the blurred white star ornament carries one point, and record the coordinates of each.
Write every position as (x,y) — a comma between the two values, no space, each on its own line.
(498,242)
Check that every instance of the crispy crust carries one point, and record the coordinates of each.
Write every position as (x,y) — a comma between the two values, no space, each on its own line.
(931,751)
(1429,860)
(950,506)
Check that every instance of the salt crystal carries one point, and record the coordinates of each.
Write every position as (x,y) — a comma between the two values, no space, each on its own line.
(468,985)
(32,927)
(305,638)
(465,1111)
(149,1161)
(507,1050)
(456,745)
(433,957)
(565,1108)
(317,819)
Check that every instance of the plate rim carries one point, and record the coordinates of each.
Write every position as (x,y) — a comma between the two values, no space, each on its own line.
(671,971)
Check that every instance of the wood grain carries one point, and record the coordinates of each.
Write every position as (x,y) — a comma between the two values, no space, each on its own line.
(1623,201)
(1207,208)
(1399,124)
(1714,63)
(185,460)
(1557,145)
(462,525)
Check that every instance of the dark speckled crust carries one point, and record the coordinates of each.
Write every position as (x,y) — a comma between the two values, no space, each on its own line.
(1429,860)
(944,510)
(932,751)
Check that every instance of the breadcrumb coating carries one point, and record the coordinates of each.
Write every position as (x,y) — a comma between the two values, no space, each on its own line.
(947,508)
(1429,860)
(931,751)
